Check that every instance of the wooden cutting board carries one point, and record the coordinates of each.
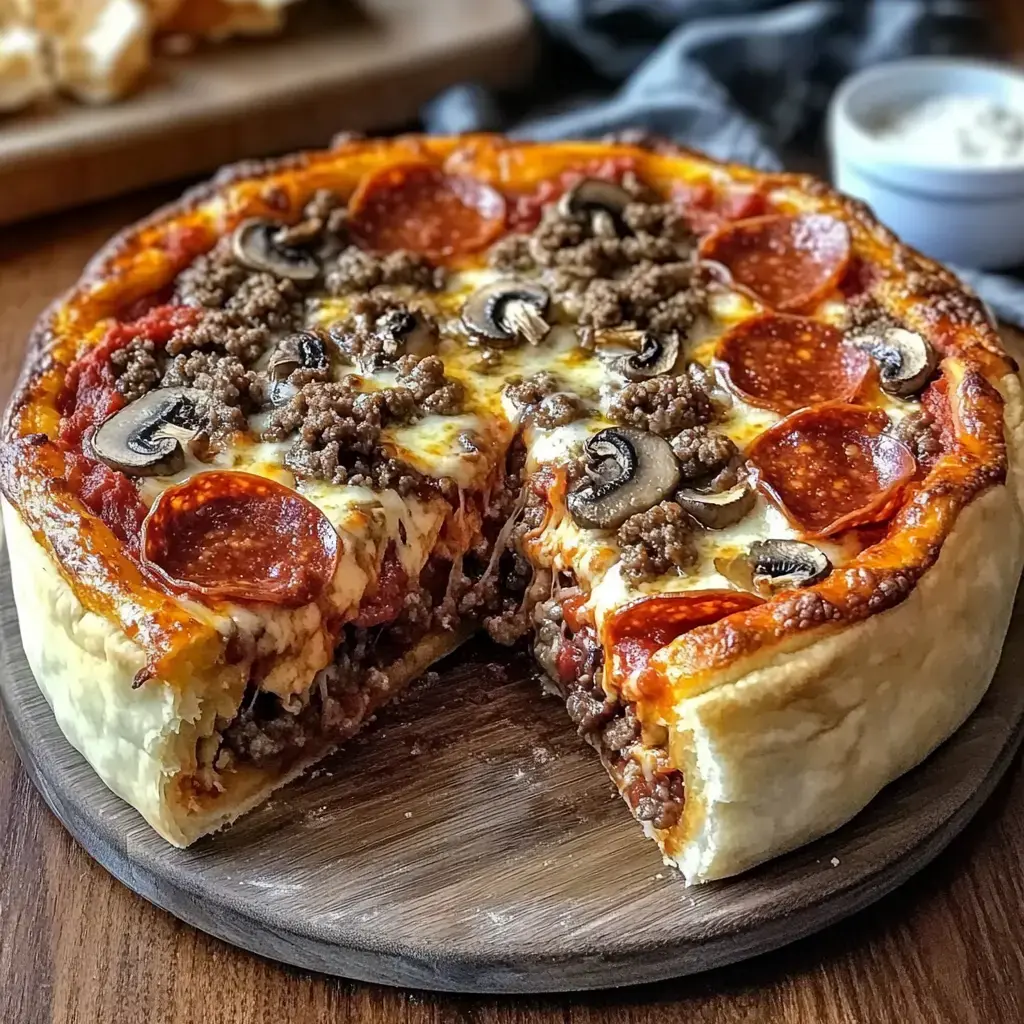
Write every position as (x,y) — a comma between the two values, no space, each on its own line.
(469,841)
(342,65)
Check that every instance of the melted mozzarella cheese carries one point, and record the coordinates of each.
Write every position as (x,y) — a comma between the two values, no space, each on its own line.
(467,446)
(293,643)
(593,555)
(452,446)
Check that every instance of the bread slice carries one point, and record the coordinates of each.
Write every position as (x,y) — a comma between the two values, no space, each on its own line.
(99,48)
(24,72)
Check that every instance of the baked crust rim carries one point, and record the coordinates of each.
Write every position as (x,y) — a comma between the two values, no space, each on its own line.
(130,266)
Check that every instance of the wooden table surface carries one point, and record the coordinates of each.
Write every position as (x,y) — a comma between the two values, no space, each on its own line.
(78,948)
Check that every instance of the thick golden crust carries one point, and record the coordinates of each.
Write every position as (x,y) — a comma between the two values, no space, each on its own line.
(797,744)
(142,741)
(136,739)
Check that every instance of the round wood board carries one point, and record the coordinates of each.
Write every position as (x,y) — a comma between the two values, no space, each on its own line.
(470,842)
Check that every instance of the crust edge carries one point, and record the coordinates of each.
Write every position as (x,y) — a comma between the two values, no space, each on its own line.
(821,730)
(137,740)
(962,336)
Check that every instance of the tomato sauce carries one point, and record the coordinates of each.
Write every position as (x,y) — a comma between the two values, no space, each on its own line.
(88,397)
(110,496)
(384,604)
(524,210)
(90,394)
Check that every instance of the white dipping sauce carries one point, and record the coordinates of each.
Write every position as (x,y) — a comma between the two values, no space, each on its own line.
(957,129)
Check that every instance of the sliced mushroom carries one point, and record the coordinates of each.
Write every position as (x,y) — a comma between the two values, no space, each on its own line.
(717,511)
(905,359)
(506,311)
(406,332)
(769,566)
(147,438)
(628,471)
(280,393)
(296,352)
(657,354)
(602,201)
(256,245)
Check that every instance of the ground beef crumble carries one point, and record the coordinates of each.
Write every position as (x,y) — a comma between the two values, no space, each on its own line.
(136,368)
(526,392)
(216,281)
(339,425)
(211,279)
(656,542)
(511,255)
(558,410)
(431,389)
(341,409)
(233,391)
(263,300)
(219,331)
(649,297)
(920,433)
(541,398)
(356,270)
(378,329)
(702,453)
(662,405)
(642,277)
(322,226)
(267,729)
(609,725)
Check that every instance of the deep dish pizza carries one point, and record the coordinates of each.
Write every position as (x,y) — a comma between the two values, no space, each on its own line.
(739,465)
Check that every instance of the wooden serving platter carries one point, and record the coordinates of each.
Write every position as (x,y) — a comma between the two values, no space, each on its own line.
(341,65)
(470,842)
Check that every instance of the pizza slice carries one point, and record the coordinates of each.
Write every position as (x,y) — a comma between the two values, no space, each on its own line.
(741,467)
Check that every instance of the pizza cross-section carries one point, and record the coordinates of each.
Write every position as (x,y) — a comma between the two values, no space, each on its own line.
(740,466)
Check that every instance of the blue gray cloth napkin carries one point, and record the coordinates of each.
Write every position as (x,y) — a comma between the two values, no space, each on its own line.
(745,80)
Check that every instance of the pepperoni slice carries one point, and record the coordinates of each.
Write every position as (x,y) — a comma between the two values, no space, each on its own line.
(420,208)
(707,209)
(788,261)
(639,629)
(789,362)
(831,467)
(237,535)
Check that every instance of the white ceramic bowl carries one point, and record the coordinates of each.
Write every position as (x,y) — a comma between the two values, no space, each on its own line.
(971,215)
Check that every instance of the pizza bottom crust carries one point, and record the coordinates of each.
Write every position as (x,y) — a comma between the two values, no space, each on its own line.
(142,742)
